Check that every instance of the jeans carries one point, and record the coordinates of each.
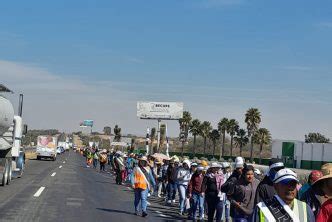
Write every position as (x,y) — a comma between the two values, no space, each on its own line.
(182,195)
(214,204)
(141,196)
(95,162)
(197,200)
(171,191)
(102,166)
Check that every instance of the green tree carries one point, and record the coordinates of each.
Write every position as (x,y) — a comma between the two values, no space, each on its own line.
(194,129)
(205,132)
(162,137)
(252,119)
(241,139)
(222,127)
(107,130)
(152,139)
(316,138)
(262,137)
(184,123)
(214,136)
(232,128)
(117,133)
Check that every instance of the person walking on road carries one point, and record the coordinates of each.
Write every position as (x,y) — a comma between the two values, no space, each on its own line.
(195,194)
(212,183)
(284,206)
(95,159)
(119,168)
(265,189)
(183,178)
(142,181)
(102,159)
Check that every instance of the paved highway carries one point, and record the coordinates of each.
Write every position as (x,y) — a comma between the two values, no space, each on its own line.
(65,190)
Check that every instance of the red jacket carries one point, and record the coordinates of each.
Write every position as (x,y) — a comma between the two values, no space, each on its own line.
(325,213)
(195,183)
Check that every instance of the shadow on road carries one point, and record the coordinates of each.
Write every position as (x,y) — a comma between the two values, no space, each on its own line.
(115,211)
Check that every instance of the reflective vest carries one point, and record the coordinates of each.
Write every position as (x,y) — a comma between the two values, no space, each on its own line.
(299,212)
(140,180)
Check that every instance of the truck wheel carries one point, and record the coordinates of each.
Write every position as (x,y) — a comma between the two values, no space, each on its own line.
(4,175)
(9,172)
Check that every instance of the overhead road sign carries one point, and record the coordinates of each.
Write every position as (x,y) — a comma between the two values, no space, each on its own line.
(160,110)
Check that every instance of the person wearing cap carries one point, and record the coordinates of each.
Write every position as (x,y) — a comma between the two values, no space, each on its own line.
(193,168)
(265,189)
(183,178)
(311,196)
(195,194)
(242,200)
(142,181)
(284,206)
(211,185)
(119,168)
(324,184)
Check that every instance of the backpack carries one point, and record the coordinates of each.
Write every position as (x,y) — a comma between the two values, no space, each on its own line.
(103,158)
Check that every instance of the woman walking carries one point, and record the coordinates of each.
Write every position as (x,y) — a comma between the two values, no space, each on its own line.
(142,181)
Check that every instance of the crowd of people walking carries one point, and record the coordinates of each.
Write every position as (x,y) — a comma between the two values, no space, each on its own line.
(221,191)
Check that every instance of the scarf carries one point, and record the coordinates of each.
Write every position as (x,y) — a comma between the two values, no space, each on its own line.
(220,179)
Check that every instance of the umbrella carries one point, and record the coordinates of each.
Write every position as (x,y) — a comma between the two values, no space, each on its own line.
(160,156)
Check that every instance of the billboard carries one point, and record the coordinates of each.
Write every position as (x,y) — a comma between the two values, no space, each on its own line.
(160,110)
(86,123)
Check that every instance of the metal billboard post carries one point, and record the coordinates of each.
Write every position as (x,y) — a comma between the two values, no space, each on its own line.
(158,143)
(147,140)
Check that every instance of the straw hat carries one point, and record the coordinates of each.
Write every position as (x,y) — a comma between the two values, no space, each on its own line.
(143,158)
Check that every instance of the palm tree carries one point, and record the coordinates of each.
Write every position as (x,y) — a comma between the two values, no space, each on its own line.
(232,128)
(241,139)
(262,137)
(117,133)
(152,138)
(162,137)
(253,119)
(184,127)
(222,127)
(214,136)
(194,129)
(205,131)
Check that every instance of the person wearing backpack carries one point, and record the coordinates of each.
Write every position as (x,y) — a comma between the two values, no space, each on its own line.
(142,182)
(103,159)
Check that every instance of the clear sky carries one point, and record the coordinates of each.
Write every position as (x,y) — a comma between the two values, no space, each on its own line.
(94,59)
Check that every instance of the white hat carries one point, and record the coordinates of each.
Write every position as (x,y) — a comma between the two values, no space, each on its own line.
(285,174)
(215,165)
(194,164)
(226,165)
(186,162)
(200,168)
(239,162)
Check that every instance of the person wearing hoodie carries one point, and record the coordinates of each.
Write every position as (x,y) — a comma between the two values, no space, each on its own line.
(183,178)
(244,208)
(171,186)
(195,193)
(211,185)
(265,189)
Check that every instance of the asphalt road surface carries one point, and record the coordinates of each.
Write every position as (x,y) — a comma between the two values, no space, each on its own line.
(65,190)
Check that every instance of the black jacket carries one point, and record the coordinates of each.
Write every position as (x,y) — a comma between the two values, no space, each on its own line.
(265,190)
(310,198)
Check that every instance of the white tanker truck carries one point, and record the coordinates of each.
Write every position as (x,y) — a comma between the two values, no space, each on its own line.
(12,156)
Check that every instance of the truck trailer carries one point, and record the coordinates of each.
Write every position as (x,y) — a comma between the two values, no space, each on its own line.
(46,147)
(12,154)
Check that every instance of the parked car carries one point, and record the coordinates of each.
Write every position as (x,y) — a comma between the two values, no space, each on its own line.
(60,150)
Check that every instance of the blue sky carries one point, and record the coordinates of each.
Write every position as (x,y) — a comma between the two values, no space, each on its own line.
(219,57)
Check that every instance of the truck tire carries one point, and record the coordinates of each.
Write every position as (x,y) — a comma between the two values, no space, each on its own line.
(9,172)
(4,175)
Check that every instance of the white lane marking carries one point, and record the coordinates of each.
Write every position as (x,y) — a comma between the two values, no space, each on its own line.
(73,204)
(53,174)
(60,167)
(37,194)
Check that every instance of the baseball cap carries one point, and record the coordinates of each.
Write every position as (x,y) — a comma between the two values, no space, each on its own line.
(285,176)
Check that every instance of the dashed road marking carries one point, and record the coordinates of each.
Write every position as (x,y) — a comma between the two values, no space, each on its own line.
(75,199)
(60,167)
(73,204)
(38,193)
(53,174)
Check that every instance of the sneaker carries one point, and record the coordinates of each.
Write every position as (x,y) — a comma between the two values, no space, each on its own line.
(169,201)
(144,214)
(159,195)
(173,201)
(137,213)
(148,203)
(181,213)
